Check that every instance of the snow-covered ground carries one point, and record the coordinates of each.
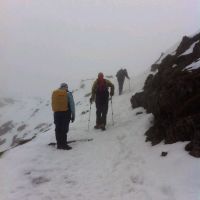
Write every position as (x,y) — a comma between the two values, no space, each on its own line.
(23,119)
(116,165)
(193,66)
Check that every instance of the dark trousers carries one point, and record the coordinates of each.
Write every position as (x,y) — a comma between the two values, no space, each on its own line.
(121,83)
(61,121)
(101,113)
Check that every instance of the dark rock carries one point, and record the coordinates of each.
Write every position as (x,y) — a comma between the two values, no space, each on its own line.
(195,143)
(189,146)
(173,96)
(184,45)
(137,100)
(164,153)
(21,128)
(138,113)
(84,112)
(155,66)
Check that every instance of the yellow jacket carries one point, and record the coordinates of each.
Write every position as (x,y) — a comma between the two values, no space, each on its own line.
(59,100)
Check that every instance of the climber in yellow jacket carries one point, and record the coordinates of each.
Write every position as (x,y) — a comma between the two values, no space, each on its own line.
(64,111)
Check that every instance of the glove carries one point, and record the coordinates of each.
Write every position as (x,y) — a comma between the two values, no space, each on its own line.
(91,100)
(111,93)
(72,119)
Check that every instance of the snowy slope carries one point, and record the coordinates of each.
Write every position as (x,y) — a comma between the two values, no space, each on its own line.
(116,165)
(22,120)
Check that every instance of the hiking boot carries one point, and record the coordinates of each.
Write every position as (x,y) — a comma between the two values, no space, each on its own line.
(60,147)
(103,127)
(67,147)
(97,126)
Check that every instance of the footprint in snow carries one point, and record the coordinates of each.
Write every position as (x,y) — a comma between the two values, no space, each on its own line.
(136,179)
(39,180)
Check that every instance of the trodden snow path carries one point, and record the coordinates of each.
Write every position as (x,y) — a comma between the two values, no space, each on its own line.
(116,165)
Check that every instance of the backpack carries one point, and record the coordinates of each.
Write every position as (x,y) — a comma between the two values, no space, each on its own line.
(59,100)
(102,94)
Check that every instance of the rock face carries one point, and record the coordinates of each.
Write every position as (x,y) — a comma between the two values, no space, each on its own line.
(172,94)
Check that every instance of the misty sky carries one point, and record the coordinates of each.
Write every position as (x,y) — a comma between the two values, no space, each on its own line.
(45,42)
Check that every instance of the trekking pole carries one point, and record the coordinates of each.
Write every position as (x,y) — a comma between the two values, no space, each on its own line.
(89,118)
(129,85)
(112,111)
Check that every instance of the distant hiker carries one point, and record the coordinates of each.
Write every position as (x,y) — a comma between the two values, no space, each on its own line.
(64,111)
(100,95)
(121,74)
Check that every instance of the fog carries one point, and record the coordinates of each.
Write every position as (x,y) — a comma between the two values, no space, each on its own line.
(46,42)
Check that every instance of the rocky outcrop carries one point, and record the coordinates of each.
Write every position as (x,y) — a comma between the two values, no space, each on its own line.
(172,94)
